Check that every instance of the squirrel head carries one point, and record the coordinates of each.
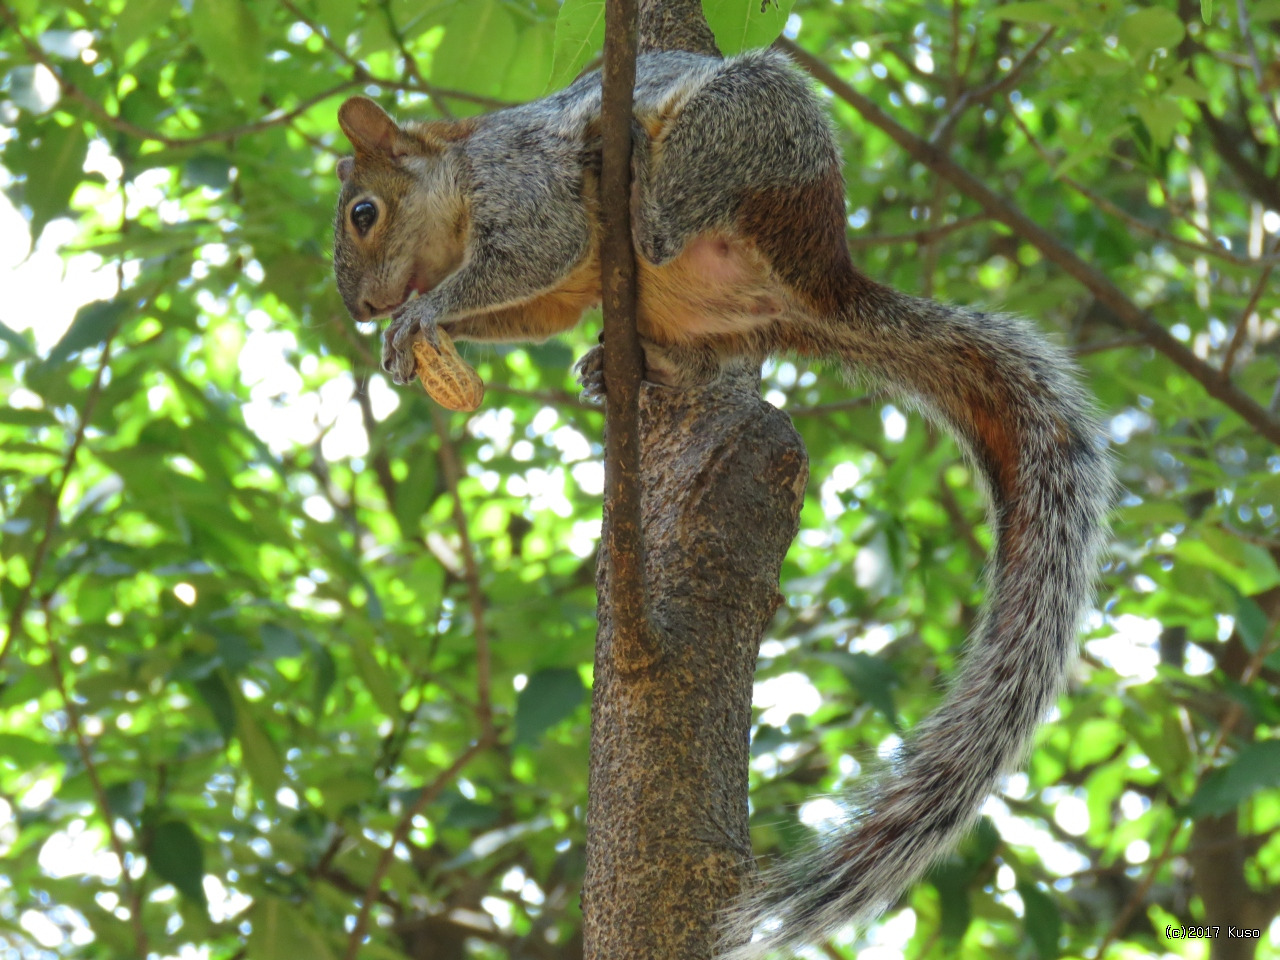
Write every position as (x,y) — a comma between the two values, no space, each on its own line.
(401,224)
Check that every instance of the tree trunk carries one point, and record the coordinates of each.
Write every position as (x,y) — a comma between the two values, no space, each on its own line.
(722,478)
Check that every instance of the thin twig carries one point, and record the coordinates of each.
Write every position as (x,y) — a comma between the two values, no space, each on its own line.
(959,521)
(410,61)
(552,397)
(1129,313)
(1255,63)
(1098,200)
(995,88)
(921,237)
(1237,338)
(273,119)
(1102,346)
(633,645)
(822,409)
(95,784)
(955,78)
(1229,720)
(416,84)
(1251,842)
(425,798)
(19,609)
(452,470)
(131,129)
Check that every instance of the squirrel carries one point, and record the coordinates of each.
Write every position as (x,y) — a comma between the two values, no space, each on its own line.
(739,228)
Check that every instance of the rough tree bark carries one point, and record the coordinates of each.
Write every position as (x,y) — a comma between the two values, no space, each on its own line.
(722,480)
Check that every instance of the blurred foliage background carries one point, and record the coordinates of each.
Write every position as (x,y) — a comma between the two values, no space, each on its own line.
(260,608)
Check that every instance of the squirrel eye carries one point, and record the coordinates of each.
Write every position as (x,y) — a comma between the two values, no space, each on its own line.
(364,215)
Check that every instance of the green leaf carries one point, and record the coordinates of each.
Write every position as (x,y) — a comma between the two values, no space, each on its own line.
(466,814)
(951,879)
(1261,11)
(416,492)
(428,583)
(1251,622)
(175,856)
(1094,63)
(476,36)
(744,24)
(127,798)
(530,68)
(138,18)
(227,33)
(1038,11)
(579,37)
(1257,767)
(93,324)
(325,674)
(1184,86)
(278,641)
(346,791)
(53,162)
(144,242)
(24,753)
(260,756)
(213,691)
(208,170)
(550,696)
(1042,920)
(17,342)
(1245,566)
(1150,28)
(870,676)
(376,679)
(339,16)
(1095,740)
(280,932)
(1206,10)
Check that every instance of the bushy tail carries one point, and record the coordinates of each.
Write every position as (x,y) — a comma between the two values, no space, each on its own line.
(1013,402)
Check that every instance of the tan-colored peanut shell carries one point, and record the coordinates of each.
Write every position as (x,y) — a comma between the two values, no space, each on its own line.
(448,379)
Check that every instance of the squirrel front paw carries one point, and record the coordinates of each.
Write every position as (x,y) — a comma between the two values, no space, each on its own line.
(405,329)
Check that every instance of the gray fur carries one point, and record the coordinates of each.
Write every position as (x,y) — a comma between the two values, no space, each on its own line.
(738,129)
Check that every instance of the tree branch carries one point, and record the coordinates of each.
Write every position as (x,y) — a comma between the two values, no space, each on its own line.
(634,645)
(1215,383)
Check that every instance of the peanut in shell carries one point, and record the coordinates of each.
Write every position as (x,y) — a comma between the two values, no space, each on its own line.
(449,380)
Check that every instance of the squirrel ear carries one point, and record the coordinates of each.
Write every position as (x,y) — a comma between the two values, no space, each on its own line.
(369,128)
(345,166)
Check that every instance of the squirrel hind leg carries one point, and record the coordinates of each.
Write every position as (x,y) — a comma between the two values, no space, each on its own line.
(718,285)
(676,365)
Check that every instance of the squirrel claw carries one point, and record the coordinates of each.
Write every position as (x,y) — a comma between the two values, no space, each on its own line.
(401,334)
(590,371)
